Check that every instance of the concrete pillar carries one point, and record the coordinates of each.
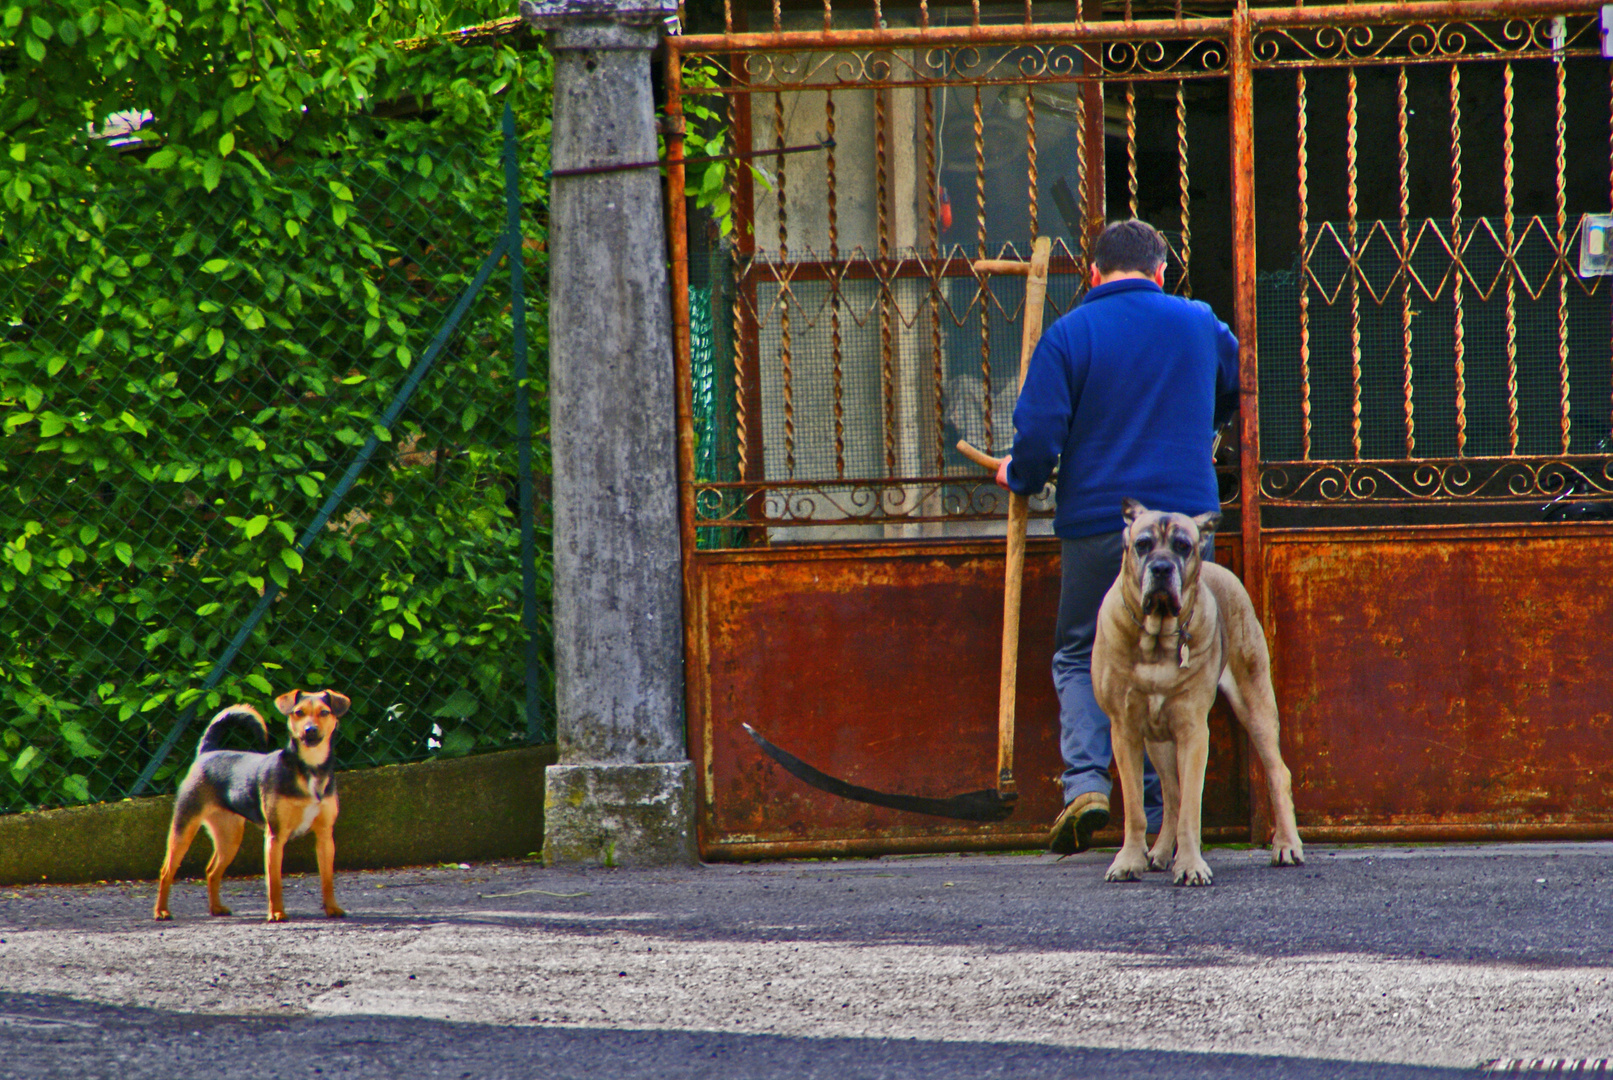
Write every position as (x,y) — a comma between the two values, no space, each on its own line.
(623,791)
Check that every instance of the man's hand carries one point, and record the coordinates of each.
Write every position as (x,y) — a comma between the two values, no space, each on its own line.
(1002,472)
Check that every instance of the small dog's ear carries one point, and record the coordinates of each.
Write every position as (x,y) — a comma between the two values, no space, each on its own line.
(338,702)
(1130,508)
(1207,524)
(287,701)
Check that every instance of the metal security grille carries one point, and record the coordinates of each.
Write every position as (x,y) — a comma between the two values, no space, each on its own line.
(858,344)
(1417,183)
(1433,340)
(1369,375)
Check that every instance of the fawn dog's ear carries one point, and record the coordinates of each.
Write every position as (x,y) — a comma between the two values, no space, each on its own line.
(1130,509)
(338,702)
(287,701)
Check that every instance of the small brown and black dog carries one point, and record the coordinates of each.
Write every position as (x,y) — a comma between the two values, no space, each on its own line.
(287,791)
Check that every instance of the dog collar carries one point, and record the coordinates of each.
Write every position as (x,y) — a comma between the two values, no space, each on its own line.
(1182,634)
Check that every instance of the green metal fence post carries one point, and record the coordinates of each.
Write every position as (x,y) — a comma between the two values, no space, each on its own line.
(523,422)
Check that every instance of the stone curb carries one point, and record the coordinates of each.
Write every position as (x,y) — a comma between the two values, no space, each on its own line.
(484,807)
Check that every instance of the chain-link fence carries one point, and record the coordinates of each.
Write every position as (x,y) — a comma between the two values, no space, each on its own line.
(254,444)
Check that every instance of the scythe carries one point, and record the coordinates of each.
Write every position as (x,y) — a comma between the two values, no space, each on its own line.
(990,804)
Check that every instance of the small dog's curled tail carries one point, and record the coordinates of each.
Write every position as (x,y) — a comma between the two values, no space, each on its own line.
(228,717)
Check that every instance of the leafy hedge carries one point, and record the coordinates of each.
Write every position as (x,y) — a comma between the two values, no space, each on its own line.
(200,329)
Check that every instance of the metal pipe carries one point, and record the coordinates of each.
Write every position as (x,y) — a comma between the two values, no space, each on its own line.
(1396,834)
(596,170)
(683,379)
(1424,11)
(1241,95)
(978,838)
(960,36)
(1092,28)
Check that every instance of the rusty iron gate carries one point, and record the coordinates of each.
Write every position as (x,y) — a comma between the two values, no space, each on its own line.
(1388,204)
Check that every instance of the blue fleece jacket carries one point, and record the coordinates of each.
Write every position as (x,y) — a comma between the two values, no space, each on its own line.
(1124,394)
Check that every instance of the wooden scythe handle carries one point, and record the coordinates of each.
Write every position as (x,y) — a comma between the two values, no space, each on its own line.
(1003,266)
(1018,508)
(978,456)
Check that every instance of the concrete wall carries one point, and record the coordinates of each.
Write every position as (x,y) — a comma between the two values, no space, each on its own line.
(484,807)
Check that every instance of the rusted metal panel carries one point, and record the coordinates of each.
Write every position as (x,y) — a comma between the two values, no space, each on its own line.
(1444,682)
(879,665)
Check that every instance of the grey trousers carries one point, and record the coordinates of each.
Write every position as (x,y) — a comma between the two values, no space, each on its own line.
(1088,567)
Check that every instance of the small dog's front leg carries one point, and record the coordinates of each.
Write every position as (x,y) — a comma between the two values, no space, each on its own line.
(325,851)
(274,848)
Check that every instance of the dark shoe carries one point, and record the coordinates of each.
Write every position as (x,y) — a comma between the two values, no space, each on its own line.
(1082,817)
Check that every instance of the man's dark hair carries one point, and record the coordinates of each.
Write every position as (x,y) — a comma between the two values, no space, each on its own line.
(1129,245)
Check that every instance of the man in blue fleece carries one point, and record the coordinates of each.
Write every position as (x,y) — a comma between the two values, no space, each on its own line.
(1124,394)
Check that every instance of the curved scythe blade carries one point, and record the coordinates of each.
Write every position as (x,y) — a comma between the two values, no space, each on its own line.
(987,805)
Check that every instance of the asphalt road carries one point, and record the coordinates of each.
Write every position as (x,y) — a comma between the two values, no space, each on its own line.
(1367,962)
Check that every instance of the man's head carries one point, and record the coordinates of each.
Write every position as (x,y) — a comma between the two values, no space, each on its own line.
(1130,248)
